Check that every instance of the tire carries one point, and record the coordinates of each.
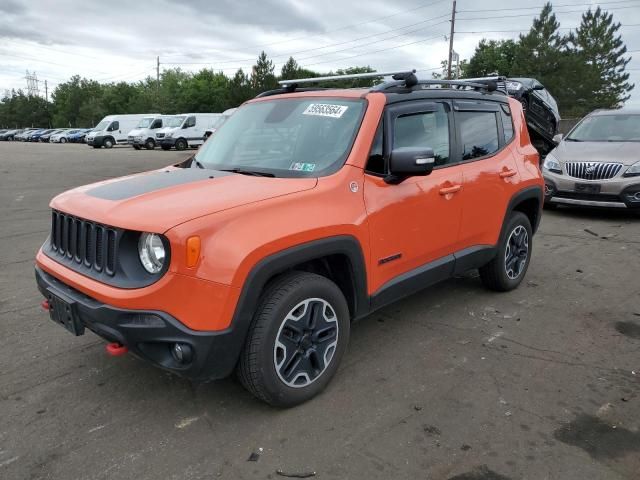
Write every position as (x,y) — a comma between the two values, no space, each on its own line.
(181,144)
(63,140)
(150,144)
(509,266)
(137,147)
(10,139)
(166,147)
(263,366)
(107,142)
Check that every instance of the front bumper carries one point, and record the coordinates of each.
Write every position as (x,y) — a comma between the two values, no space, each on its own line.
(619,192)
(95,141)
(167,142)
(150,334)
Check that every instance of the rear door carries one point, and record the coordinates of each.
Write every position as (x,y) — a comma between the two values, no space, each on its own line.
(485,131)
(414,224)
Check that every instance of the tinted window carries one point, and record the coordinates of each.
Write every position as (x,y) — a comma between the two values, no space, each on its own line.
(427,129)
(115,126)
(376,163)
(507,125)
(479,134)
(156,124)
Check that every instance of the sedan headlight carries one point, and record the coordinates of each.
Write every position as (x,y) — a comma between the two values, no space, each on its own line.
(552,164)
(633,170)
(152,252)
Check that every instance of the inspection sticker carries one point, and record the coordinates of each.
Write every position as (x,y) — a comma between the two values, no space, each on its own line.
(325,110)
(303,167)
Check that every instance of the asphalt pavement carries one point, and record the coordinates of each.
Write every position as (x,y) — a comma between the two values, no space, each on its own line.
(453,383)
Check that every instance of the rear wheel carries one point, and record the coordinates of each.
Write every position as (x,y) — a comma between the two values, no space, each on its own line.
(297,338)
(181,144)
(509,266)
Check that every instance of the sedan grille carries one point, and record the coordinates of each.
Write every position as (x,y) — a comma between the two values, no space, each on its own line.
(86,243)
(592,170)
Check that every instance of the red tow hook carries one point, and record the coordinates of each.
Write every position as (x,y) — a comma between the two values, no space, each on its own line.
(116,349)
(45,305)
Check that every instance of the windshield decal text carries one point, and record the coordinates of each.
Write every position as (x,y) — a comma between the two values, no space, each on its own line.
(303,167)
(325,110)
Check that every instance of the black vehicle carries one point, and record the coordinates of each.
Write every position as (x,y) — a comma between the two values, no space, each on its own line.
(540,110)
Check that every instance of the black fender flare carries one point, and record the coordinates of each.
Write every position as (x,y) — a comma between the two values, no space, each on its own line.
(534,192)
(226,355)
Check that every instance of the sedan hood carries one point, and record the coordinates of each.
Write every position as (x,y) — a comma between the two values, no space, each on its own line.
(626,153)
(159,200)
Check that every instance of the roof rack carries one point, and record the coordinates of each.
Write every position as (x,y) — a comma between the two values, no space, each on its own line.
(401,79)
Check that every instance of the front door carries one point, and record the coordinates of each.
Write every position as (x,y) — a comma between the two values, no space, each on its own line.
(414,224)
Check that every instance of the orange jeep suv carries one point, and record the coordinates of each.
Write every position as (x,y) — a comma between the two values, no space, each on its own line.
(308,209)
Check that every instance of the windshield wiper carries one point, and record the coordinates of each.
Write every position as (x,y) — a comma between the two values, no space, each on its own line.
(572,140)
(242,171)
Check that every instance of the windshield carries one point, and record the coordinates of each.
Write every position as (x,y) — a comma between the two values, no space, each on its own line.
(145,122)
(102,125)
(175,121)
(304,137)
(607,128)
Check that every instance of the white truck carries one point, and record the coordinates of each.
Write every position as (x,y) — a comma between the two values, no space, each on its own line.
(113,130)
(144,135)
(187,130)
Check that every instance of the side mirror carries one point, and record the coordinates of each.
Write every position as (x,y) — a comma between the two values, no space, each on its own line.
(538,86)
(557,138)
(410,162)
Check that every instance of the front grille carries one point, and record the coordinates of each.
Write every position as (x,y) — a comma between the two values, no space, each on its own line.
(88,244)
(592,170)
(159,135)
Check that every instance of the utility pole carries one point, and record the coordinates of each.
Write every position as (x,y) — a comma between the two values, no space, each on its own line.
(46,92)
(158,74)
(453,23)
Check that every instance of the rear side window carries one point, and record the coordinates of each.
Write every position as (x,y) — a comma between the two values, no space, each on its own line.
(507,124)
(426,129)
(479,134)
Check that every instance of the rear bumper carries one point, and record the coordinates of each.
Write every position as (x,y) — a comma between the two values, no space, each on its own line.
(616,193)
(150,334)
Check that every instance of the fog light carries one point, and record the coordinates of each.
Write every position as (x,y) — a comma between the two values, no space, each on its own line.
(181,353)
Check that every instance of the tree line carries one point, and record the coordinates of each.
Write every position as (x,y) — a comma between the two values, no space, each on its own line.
(584,70)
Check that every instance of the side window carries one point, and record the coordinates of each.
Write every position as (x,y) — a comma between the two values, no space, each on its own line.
(479,134)
(191,122)
(115,126)
(157,123)
(507,124)
(427,129)
(376,163)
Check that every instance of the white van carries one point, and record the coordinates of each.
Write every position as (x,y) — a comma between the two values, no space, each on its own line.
(144,135)
(186,130)
(113,129)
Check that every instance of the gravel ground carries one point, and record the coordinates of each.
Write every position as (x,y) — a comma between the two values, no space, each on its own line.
(452,383)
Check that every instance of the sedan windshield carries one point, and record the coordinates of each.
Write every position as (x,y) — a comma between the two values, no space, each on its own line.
(303,137)
(607,128)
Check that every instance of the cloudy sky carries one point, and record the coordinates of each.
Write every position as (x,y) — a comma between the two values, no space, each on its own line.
(119,40)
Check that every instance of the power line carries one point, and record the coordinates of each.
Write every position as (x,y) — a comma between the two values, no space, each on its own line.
(554,6)
(530,14)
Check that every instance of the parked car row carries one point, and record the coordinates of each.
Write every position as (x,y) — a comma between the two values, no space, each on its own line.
(46,135)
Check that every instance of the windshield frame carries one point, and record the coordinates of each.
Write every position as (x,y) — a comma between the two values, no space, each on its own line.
(570,137)
(282,173)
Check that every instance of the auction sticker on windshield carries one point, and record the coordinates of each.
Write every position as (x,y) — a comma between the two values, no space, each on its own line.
(303,167)
(325,110)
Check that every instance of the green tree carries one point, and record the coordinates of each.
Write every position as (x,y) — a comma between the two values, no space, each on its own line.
(492,57)
(599,47)
(289,70)
(239,89)
(262,75)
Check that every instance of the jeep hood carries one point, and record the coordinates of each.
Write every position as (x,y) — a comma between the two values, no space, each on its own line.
(618,152)
(159,200)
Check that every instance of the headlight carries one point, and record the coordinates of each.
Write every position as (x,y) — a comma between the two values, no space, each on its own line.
(169,135)
(151,251)
(138,137)
(514,86)
(633,170)
(552,164)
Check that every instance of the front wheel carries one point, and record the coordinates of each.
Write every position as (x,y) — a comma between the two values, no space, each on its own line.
(108,143)
(150,144)
(508,268)
(297,338)
(181,144)
(63,140)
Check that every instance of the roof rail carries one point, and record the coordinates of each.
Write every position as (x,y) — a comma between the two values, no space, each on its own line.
(488,86)
(402,75)
(499,80)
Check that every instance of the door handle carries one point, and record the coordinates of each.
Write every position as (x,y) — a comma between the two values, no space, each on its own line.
(451,189)
(507,173)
